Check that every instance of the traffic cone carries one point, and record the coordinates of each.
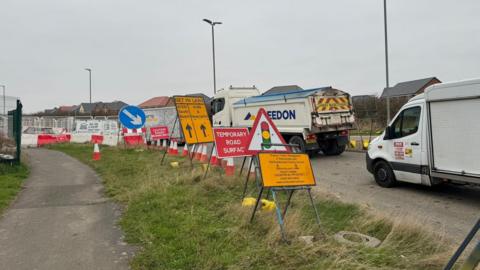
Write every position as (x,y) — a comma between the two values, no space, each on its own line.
(214,161)
(204,155)
(96,152)
(175,149)
(252,172)
(223,163)
(230,169)
(185,150)
(198,153)
(159,144)
(164,146)
(170,148)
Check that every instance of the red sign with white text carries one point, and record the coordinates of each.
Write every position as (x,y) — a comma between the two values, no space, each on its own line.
(159,133)
(231,142)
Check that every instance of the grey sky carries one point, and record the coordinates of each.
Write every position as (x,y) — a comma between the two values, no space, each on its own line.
(141,49)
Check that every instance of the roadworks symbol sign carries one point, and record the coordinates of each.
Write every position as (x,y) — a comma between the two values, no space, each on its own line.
(194,119)
(265,132)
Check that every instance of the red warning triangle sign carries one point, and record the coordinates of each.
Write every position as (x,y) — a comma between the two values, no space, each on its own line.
(264,131)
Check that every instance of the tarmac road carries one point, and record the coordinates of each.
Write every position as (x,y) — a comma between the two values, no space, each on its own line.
(61,220)
(449,209)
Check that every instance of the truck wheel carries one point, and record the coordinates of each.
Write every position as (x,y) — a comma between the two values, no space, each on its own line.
(333,149)
(299,141)
(384,175)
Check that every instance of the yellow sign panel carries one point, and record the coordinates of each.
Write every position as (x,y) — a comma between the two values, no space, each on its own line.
(194,120)
(286,170)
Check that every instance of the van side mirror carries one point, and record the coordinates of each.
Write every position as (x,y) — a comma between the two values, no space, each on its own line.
(388,133)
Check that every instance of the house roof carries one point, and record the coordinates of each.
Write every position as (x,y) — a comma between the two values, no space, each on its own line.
(282,89)
(408,88)
(155,102)
(115,105)
(87,107)
(67,108)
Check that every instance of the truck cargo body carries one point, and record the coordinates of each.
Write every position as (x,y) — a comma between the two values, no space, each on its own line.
(316,119)
(434,138)
(163,116)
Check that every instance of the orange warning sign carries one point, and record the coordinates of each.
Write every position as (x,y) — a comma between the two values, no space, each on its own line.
(286,169)
(194,120)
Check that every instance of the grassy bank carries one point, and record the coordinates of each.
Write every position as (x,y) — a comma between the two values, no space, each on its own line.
(11,178)
(184,222)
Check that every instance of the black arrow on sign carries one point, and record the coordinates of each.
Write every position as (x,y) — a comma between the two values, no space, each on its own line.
(203,128)
(189,129)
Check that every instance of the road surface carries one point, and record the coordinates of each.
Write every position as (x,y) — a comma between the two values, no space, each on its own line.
(449,209)
(61,220)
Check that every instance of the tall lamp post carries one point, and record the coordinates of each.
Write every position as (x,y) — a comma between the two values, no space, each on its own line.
(90,82)
(386,57)
(213,23)
(3,86)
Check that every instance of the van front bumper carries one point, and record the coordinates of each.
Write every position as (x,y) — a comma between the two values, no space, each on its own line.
(369,163)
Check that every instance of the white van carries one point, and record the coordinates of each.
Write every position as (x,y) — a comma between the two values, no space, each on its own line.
(434,138)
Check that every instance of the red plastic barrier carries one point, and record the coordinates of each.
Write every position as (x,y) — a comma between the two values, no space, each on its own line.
(43,139)
(97,139)
(63,138)
(133,140)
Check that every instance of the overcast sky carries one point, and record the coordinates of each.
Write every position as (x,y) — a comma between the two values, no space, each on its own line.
(141,49)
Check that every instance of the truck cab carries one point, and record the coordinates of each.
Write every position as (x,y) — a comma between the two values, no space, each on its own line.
(222,109)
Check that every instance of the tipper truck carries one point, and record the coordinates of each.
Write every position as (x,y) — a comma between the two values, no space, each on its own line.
(315,119)
(434,138)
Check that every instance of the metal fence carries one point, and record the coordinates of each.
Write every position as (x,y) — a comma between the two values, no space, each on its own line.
(65,123)
(11,133)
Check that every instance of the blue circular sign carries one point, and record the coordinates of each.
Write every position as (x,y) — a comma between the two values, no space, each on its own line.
(131,117)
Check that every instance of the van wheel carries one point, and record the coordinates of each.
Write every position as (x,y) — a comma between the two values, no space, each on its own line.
(333,149)
(299,141)
(384,175)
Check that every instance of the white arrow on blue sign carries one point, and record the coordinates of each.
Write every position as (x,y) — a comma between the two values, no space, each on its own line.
(131,117)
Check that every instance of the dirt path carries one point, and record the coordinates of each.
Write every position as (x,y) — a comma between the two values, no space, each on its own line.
(451,210)
(61,220)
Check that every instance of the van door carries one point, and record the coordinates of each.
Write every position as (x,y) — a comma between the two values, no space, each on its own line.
(404,146)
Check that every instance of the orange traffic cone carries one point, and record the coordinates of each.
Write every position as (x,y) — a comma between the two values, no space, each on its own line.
(175,148)
(230,169)
(185,150)
(214,161)
(252,170)
(170,148)
(96,152)
(198,152)
(164,145)
(204,155)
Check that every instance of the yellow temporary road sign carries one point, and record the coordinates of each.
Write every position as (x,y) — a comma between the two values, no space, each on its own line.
(194,120)
(286,170)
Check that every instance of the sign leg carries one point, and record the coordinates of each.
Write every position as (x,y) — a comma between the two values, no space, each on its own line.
(473,260)
(248,177)
(243,164)
(313,205)
(256,204)
(463,246)
(279,217)
(288,202)
(209,159)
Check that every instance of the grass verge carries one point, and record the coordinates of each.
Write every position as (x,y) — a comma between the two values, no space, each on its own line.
(11,179)
(184,222)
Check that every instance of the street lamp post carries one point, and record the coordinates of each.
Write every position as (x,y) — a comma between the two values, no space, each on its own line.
(90,81)
(386,57)
(4,106)
(213,23)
